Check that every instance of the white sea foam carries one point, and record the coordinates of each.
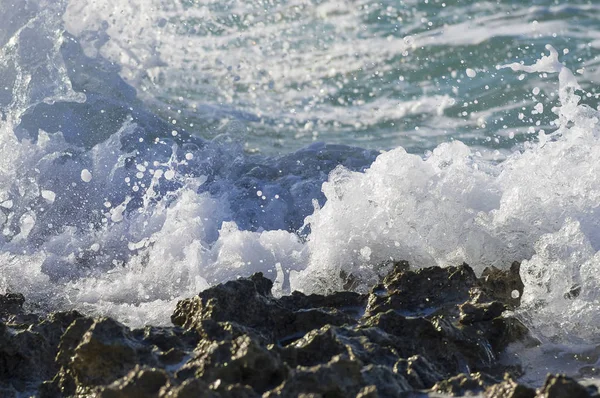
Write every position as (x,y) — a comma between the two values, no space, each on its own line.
(449,207)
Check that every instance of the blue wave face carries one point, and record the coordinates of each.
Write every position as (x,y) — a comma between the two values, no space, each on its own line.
(84,157)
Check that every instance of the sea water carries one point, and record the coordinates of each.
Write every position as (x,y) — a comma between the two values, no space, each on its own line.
(150,149)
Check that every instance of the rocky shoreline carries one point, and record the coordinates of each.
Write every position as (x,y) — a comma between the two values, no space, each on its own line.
(430,332)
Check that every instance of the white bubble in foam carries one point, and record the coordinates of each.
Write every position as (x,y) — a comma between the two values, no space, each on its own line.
(189,156)
(26,222)
(50,196)
(471,72)
(86,175)
(169,174)
(95,247)
(365,252)
(116,213)
(536,90)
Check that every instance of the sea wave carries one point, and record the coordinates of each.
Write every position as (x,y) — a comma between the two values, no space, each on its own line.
(110,206)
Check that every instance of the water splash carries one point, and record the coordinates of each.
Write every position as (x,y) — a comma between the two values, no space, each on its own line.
(109,208)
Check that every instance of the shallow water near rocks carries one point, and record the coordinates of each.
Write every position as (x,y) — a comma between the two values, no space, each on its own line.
(149,150)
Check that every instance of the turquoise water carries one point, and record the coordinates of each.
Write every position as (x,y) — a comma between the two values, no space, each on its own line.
(278,75)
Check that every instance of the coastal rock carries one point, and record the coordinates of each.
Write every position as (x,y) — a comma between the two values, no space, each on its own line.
(561,386)
(555,386)
(503,285)
(439,340)
(11,304)
(27,351)
(340,377)
(418,371)
(190,388)
(471,313)
(423,291)
(386,382)
(25,357)
(430,331)
(370,346)
(348,302)
(242,360)
(93,353)
(106,351)
(462,384)
(140,382)
(509,389)
(262,312)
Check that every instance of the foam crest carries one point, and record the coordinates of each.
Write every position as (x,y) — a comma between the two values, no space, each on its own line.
(403,207)
(539,206)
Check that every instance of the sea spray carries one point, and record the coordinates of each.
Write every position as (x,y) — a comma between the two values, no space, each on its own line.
(107,208)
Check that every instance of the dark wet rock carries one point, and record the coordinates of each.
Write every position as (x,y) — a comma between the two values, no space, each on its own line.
(440,341)
(489,320)
(139,383)
(419,372)
(8,392)
(210,330)
(107,351)
(319,346)
(340,377)
(555,386)
(261,311)
(350,303)
(509,389)
(560,386)
(386,382)
(368,392)
(94,353)
(462,384)
(417,333)
(190,388)
(27,351)
(474,312)
(422,291)
(24,357)
(506,330)
(242,360)
(11,304)
(503,285)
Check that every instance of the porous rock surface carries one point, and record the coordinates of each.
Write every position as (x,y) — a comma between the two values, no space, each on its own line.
(429,332)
